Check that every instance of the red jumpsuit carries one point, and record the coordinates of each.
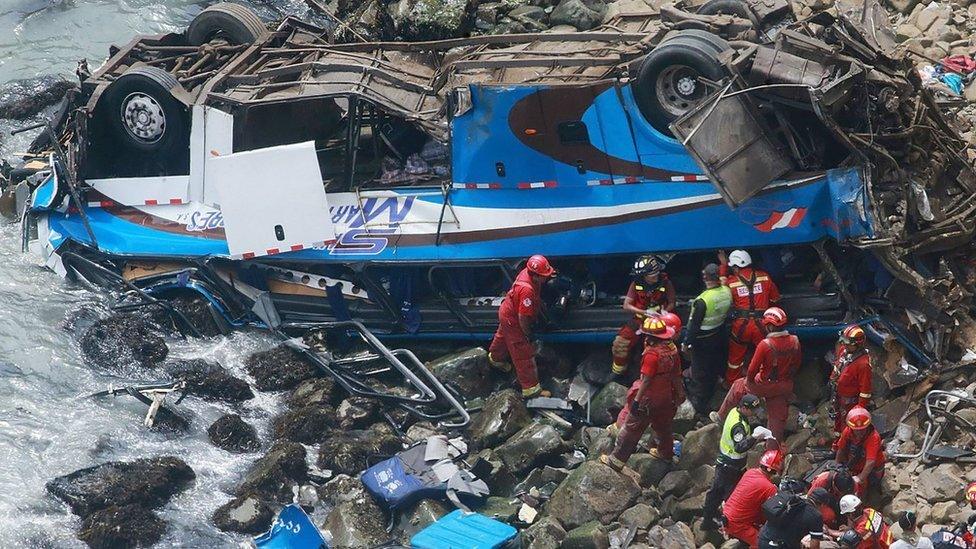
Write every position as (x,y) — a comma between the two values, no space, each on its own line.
(662,366)
(510,341)
(852,377)
(872,526)
(825,480)
(770,375)
(644,296)
(855,456)
(753,291)
(743,508)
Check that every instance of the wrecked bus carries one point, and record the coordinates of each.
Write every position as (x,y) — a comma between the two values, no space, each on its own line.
(280,178)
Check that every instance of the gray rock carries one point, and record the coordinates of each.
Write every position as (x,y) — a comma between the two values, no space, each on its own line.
(595,368)
(347,452)
(700,447)
(209,380)
(501,509)
(421,515)
(278,369)
(606,403)
(149,482)
(355,520)
(244,515)
(430,19)
(272,477)
(503,415)
(541,477)
(529,446)
(591,535)
(309,425)
(675,483)
(941,483)
(358,413)
(650,470)
(233,434)
(809,383)
(641,515)
(126,526)
(688,509)
(674,536)
(315,392)
(122,341)
(582,14)
(468,371)
(592,492)
(546,533)
(554,361)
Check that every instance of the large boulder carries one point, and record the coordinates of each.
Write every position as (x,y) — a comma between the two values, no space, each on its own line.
(546,533)
(127,526)
(355,519)
(581,14)
(529,446)
(209,380)
(503,415)
(606,403)
(244,515)
(941,483)
(278,369)
(593,491)
(467,371)
(272,477)
(649,469)
(123,340)
(309,425)
(676,535)
(700,447)
(591,535)
(149,482)
(421,515)
(233,434)
(347,452)
(431,19)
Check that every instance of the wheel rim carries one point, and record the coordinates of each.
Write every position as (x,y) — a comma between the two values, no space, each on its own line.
(679,89)
(143,118)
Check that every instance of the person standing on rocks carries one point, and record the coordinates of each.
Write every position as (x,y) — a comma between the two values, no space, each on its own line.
(860,449)
(705,338)
(771,373)
(657,399)
(516,316)
(851,375)
(651,292)
(753,291)
(743,509)
(738,437)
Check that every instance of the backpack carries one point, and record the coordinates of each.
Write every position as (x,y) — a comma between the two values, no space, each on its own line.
(944,539)
(780,509)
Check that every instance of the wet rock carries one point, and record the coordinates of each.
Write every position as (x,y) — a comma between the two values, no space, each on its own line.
(421,515)
(606,403)
(149,482)
(278,369)
(700,447)
(546,533)
(591,535)
(22,99)
(209,380)
(127,526)
(233,434)
(244,515)
(941,483)
(467,371)
(347,452)
(581,14)
(532,444)
(272,477)
(357,413)
(676,535)
(123,340)
(500,509)
(314,392)
(541,477)
(309,425)
(196,310)
(431,19)
(503,415)
(650,470)
(592,492)
(355,520)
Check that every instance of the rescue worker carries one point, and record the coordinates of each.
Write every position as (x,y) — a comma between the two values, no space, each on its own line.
(851,375)
(802,527)
(971,495)
(657,399)
(859,448)
(869,524)
(650,292)
(706,339)
(516,316)
(771,372)
(738,437)
(753,291)
(743,508)
(827,507)
(835,484)
(910,537)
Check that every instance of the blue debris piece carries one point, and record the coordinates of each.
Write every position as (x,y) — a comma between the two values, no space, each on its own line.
(460,530)
(291,530)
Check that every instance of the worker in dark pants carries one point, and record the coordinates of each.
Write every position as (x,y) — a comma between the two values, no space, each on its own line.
(705,338)
(738,437)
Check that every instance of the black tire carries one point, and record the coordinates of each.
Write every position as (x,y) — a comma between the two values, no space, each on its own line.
(674,63)
(231,22)
(142,113)
(698,36)
(737,8)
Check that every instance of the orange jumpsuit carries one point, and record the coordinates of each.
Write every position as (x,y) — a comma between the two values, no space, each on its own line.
(753,291)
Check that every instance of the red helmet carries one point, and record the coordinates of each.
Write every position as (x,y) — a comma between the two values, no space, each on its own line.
(852,335)
(858,418)
(655,326)
(774,317)
(672,320)
(772,460)
(538,264)
(971,492)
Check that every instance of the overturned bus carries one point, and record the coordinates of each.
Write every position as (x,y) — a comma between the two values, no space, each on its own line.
(288,180)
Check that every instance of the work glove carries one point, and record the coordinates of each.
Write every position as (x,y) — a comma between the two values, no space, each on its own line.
(651,311)
(762,433)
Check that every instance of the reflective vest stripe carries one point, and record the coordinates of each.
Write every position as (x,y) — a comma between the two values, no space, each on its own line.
(726,445)
(717,301)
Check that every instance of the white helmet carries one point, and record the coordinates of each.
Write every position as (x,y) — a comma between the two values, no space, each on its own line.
(849,504)
(740,258)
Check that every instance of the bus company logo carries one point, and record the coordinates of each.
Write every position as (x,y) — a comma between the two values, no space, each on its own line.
(368,229)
